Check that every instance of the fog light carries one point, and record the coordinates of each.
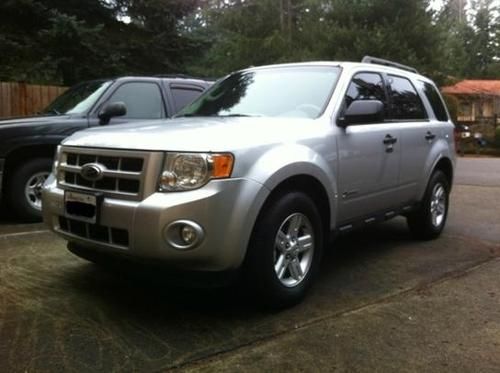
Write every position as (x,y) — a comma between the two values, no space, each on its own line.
(188,234)
(183,234)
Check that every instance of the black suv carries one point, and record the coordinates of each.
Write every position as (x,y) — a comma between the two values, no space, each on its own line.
(27,145)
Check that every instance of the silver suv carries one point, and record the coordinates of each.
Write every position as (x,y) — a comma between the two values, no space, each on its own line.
(257,172)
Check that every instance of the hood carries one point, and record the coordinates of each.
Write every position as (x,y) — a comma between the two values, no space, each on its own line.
(201,134)
(37,120)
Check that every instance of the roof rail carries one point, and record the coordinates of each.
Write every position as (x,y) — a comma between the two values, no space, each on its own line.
(183,76)
(380,61)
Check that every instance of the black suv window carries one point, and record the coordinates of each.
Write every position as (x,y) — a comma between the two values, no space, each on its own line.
(435,100)
(366,86)
(184,95)
(143,100)
(405,102)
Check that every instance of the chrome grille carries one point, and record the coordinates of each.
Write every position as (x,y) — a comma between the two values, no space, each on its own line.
(123,172)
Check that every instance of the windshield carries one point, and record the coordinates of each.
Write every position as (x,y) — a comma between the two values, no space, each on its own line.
(277,92)
(78,99)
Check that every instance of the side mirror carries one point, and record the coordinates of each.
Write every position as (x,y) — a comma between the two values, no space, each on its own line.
(110,110)
(363,112)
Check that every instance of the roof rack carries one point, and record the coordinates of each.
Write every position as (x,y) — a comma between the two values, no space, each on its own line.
(183,76)
(380,61)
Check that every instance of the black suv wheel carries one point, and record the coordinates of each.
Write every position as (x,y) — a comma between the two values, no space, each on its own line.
(24,193)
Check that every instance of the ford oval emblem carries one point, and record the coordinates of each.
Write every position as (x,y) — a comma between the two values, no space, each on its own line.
(92,171)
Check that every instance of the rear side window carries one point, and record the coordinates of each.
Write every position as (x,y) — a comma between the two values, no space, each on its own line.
(405,102)
(436,102)
(143,100)
(184,95)
(366,86)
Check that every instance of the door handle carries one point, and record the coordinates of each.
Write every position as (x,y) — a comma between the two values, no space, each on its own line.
(389,140)
(430,136)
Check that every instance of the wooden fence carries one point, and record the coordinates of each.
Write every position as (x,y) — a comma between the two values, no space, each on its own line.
(19,99)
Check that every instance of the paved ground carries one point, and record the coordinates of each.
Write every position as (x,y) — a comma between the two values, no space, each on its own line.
(384,303)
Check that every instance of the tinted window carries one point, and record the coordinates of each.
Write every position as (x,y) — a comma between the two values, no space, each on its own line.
(184,96)
(436,102)
(366,86)
(143,100)
(278,92)
(405,102)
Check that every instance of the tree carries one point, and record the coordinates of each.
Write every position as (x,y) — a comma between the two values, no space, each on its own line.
(66,41)
(483,48)
(255,32)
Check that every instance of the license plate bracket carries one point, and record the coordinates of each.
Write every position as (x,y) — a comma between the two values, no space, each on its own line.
(82,206)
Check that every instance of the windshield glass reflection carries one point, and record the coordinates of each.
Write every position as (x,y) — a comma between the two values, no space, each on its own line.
(78,99)
(276,92)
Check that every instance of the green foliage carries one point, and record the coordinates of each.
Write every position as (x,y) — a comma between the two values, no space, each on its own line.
(66,41)
(258,32)
(472,39)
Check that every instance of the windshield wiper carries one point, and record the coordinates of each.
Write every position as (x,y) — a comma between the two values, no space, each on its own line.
(239,115)
(52,111)
(187,115)
(216,115)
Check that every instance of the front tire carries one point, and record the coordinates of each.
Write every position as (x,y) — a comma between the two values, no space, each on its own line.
(429,220)
(25,187)
(285,250)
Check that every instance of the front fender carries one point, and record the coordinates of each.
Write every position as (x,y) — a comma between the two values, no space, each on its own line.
(283,162)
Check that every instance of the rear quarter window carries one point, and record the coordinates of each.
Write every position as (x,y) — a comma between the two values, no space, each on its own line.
(184,96)
(435,100)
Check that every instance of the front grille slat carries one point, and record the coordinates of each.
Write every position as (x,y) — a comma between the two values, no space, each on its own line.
(122,173)
(95,232)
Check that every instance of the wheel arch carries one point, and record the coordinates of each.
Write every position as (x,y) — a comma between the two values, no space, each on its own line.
(445,165)
(21,154)
(310,186)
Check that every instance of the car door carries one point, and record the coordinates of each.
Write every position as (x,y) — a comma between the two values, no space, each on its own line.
(417,133)
(369,155)
(143,99)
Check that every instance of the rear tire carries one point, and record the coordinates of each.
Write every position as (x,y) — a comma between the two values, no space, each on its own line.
(25,187)
(429,220)
(285,250)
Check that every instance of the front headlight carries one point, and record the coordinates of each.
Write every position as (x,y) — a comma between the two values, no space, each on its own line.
(187,171)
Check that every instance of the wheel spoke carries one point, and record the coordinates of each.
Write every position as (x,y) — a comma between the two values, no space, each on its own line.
(280,266)
(295,269)
(305,243)
(295,223)
(439,193)
(281,240)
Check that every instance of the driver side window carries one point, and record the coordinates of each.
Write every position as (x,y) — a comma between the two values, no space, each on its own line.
(365,86)
(143,100)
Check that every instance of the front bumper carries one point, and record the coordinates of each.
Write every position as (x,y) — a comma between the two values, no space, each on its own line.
(225,209)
